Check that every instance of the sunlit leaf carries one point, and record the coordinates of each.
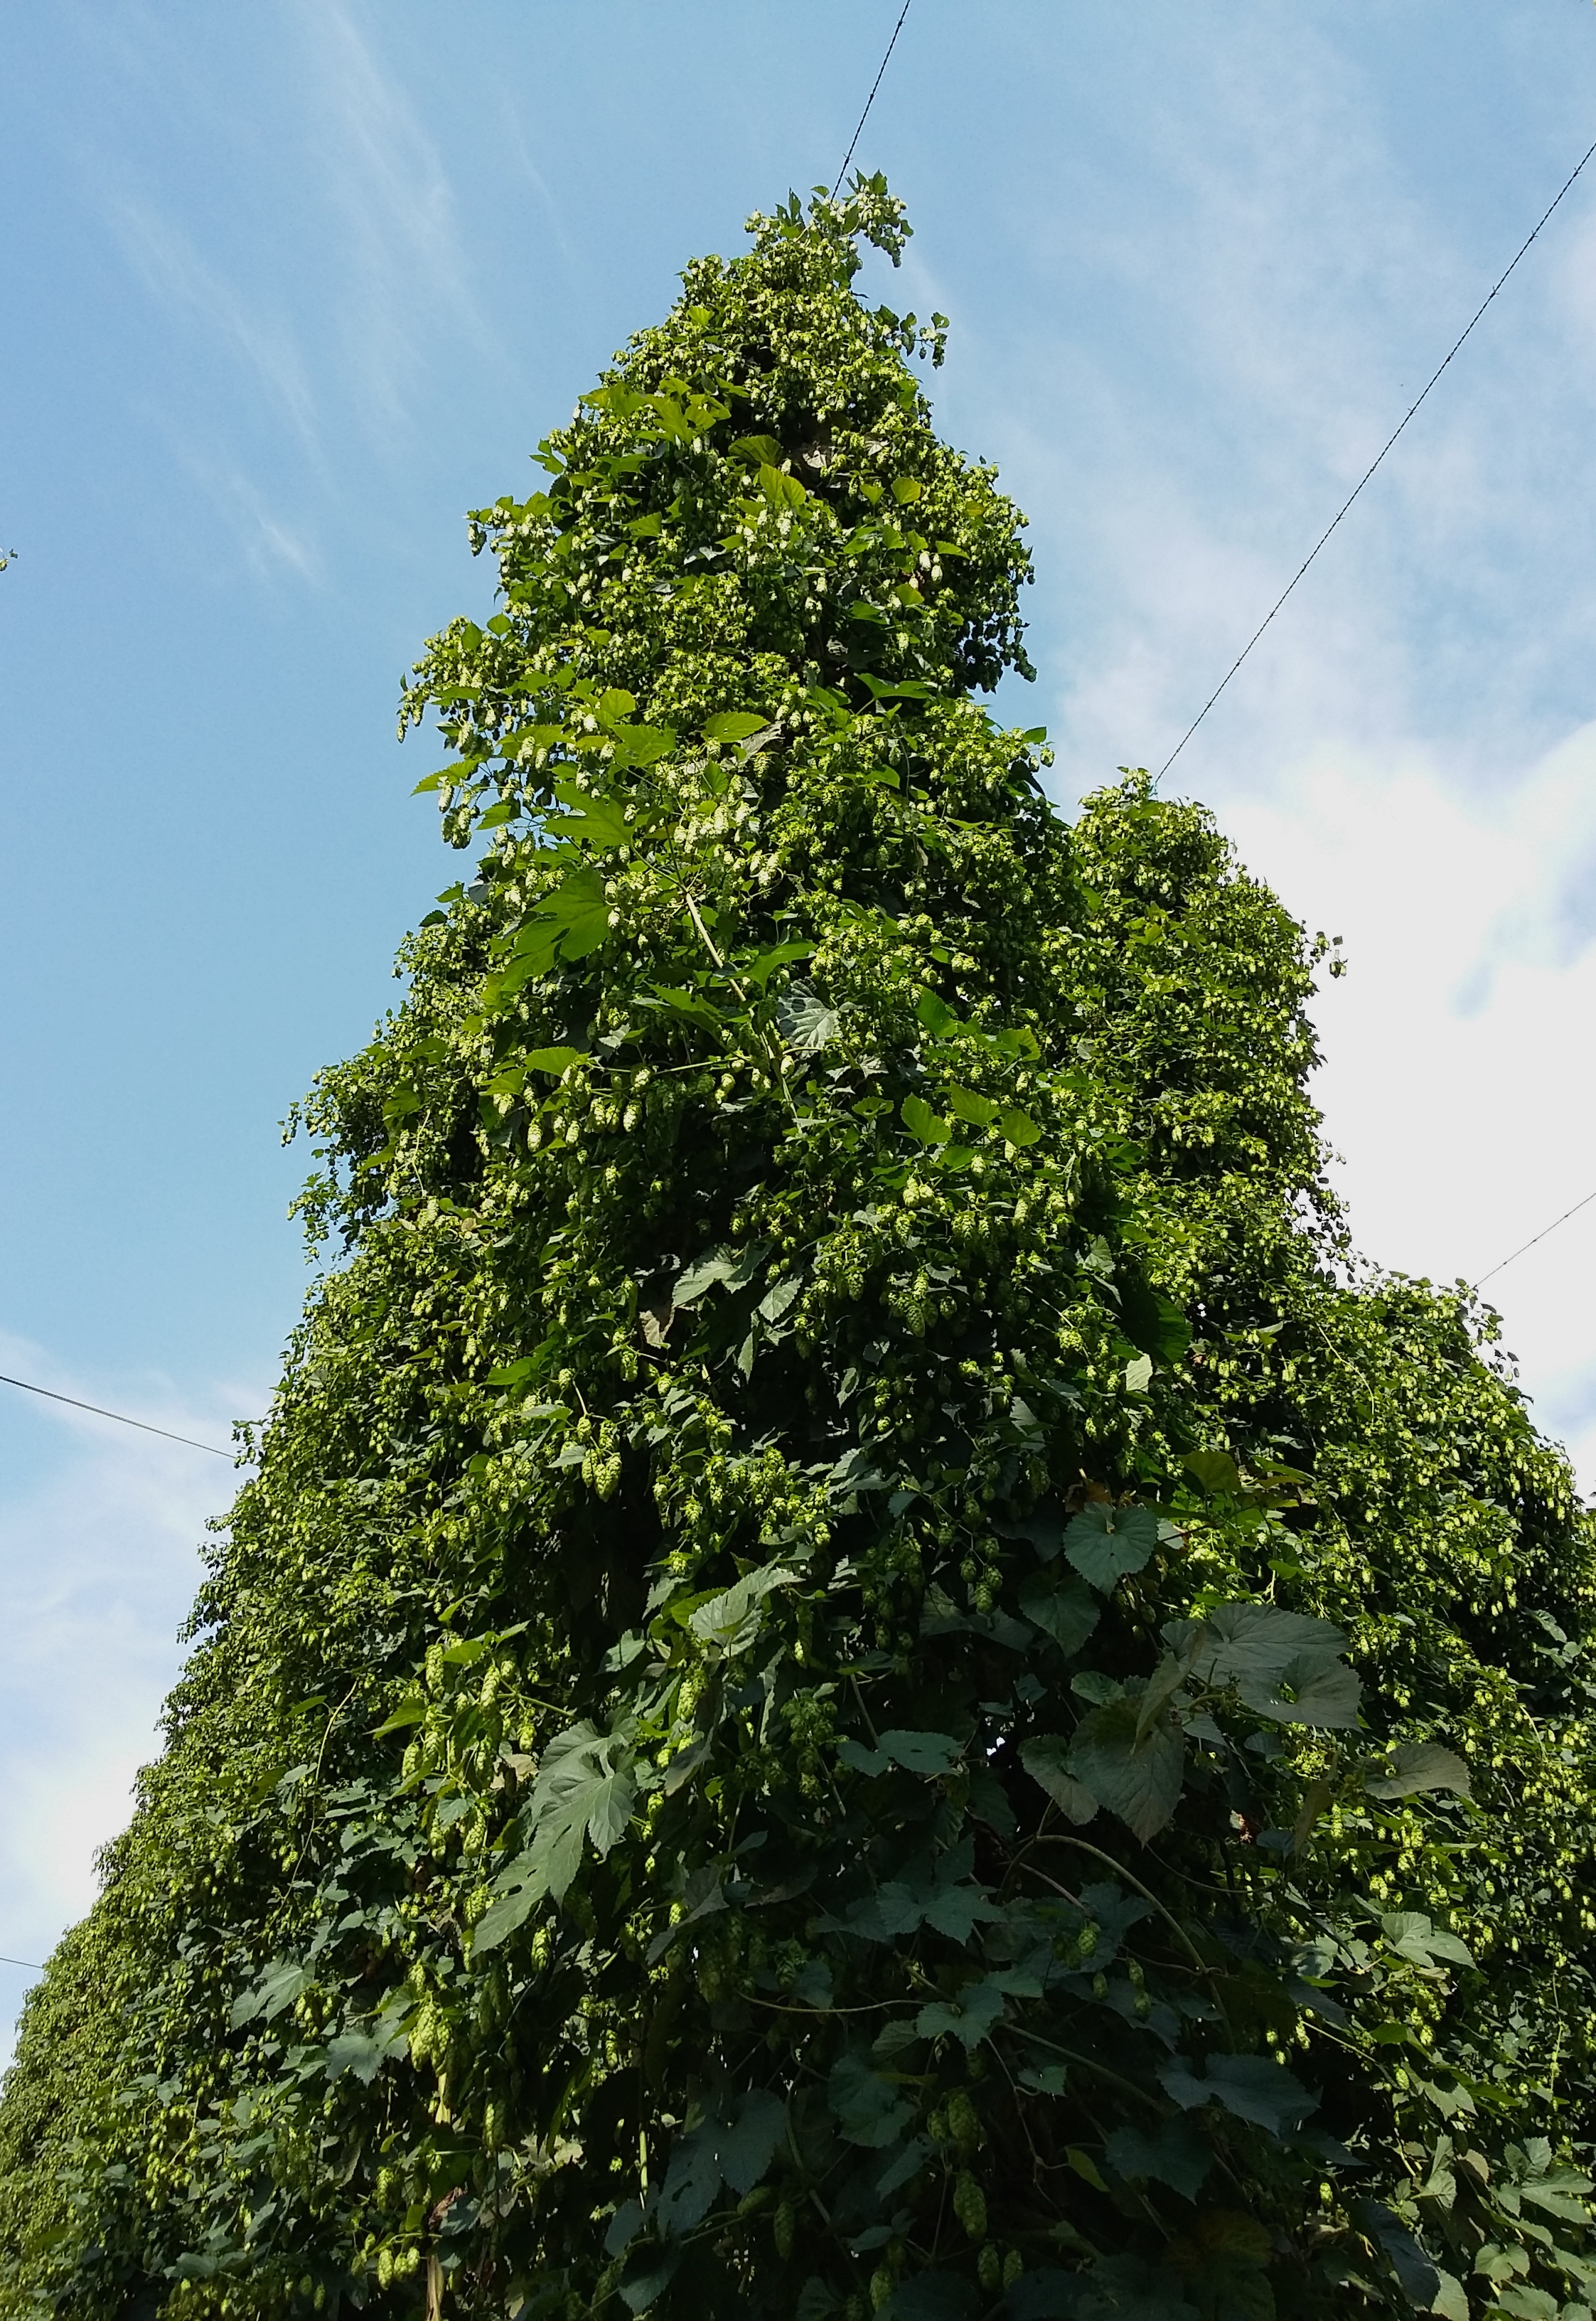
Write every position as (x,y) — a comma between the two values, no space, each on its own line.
(734,725)
(1414,1766)
(920,1120)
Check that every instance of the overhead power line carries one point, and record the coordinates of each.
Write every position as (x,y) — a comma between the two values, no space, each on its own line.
(1370,469)
(29,1963)
(122,1419)
(1545,1230)
(870,100)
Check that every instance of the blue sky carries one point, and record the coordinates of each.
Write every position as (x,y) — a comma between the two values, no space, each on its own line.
(290,288)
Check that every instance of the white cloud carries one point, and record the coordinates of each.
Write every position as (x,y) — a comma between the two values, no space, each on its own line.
(1455,1086)
(99,1562)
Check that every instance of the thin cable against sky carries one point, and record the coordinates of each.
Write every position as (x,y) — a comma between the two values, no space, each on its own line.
(1530,1243)
(122,1419)
(870,100)
(1368,471)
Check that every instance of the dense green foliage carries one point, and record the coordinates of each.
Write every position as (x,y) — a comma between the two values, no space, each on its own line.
(862,1673)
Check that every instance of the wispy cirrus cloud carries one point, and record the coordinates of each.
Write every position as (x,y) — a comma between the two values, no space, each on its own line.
(399,259)
(270,545)
(259,338)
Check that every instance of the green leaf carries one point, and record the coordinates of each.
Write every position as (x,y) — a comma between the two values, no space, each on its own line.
(782,491)
(750,2135)
(555,1061)
(869,2110)
(915,1753)
(1413,2269)
(920,1120)
(1215,1470)
(1412,1936)
(921,1752)
(1046,1758)
(586,1785)
(778,1299)
(280,1985)
(1052,2295)
(1256,1644)
(691,2183)
(686,1003)
(1415,1766)
(854,1472)
(1105,1543)
(642,745)
(805,1021)
(1173,2154)
(731,1622)
(727,1266)
(1063,1606)
(734,2144)
(931,1893)
(964,1105)
(1525,2302)
(760,970)
(1165,1682)
(648,2275)
(1561,2196)
(937,1016)
(1314,1688)
(735,725)
(1018,1127)
(968,2018)
(1135,1776)
(1451,2299)
(412,1710)
(1249,2085)
(355,2052)
(1044,1527)
(589,820)
(467,1653)
(575,916)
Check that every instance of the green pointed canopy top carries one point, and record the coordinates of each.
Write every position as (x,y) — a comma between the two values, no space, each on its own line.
(863,1676)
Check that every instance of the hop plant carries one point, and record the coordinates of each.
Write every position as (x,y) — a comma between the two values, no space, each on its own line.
(847,1582)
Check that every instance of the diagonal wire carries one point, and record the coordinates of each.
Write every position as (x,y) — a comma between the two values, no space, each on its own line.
(870,100)
(122,1419)
(1369,470)
(1545,1230)
(29,1963)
